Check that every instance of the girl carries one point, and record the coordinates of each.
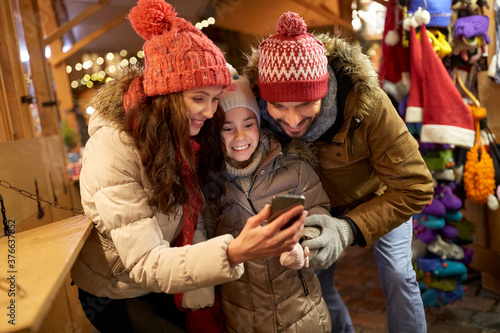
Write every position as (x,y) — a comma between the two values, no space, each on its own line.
(141,185)
(268,297)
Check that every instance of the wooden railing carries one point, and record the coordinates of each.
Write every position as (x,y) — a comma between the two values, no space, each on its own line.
(33,266)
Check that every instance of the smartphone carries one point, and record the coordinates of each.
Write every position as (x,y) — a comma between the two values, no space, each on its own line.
(283,202)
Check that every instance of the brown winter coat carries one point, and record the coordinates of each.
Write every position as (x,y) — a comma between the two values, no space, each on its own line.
(270,297)
(370,165)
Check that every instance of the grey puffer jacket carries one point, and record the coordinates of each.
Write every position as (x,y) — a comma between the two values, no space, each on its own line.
(270,297)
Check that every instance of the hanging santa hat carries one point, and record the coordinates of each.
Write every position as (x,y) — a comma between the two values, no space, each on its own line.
(414,110)
(446,118)
(395,58)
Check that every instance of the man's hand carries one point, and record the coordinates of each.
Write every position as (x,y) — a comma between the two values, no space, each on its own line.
(336,235)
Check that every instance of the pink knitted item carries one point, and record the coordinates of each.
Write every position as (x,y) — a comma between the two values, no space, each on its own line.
(177,56)
(292,63)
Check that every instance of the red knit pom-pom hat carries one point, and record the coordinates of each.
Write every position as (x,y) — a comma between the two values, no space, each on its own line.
(177,55)
(292,63)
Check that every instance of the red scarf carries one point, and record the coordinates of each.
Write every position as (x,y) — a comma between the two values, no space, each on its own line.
(209,319)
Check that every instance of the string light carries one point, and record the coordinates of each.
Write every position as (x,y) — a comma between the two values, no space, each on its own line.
(205,23)
(89,110)
(115,61)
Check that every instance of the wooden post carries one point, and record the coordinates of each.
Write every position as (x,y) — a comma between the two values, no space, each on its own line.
(61,79)
(45,96)
(6,131)
(19,114)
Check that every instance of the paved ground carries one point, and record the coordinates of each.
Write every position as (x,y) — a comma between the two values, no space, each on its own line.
(358,284)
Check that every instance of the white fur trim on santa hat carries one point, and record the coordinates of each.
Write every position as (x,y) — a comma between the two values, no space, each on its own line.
(414,114)
(444,134)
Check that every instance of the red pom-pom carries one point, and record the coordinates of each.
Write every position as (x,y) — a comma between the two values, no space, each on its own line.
(291,24)
(151,17)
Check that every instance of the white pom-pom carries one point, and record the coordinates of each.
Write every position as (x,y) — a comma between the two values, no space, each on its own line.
(492,202)
(413,22)
(425,17)
(407,23)
(391,38)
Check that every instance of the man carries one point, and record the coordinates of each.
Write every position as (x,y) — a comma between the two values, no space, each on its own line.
(370,165)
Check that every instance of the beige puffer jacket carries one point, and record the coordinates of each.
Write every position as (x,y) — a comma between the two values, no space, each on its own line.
(270,297)
(129,252)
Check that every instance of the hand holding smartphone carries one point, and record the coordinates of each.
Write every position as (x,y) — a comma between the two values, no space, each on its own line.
(283,202)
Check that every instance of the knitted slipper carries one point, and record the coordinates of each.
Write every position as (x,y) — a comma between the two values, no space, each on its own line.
(436,208)
(449,231)
(443,268)
(453,215)
(445,194)
(431,221)
(437,298)
(445,250)
(424,234)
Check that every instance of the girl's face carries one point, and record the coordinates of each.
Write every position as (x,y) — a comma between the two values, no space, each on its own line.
(201,104)
(240,133)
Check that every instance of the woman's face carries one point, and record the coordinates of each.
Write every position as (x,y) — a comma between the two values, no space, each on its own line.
(201,104)
(240,133)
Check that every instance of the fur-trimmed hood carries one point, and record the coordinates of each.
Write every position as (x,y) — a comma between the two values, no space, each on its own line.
(108,101)
(344,58)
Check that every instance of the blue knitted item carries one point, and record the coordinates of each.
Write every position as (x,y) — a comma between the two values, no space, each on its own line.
(440,11)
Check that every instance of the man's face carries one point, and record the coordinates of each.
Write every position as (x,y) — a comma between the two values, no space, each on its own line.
(295,118)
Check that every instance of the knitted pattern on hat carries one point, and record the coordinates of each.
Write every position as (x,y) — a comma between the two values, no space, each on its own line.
(177,56)
(292,63)
(243,176)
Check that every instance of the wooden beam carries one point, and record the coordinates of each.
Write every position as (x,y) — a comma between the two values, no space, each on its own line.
(324,11)
(60,31)
(55,61)
(40,74)
(13,74)
(61,79)
(6,131)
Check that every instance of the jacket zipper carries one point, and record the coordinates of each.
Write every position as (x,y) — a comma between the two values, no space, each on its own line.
(303,280)
(248,197)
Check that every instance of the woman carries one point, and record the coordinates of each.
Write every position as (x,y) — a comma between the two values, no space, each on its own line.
(141,185)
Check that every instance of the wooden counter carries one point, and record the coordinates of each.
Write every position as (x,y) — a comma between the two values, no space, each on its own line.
(42,260)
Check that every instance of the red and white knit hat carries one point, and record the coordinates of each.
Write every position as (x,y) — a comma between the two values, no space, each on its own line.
(177,55)
(292,63)
(447,119)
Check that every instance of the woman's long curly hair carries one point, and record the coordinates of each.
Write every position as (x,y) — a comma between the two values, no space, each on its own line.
(160,129)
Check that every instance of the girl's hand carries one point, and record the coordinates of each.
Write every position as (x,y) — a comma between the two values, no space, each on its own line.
(259,242)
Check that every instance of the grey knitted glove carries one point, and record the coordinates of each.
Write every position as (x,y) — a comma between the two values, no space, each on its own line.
(336,235)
